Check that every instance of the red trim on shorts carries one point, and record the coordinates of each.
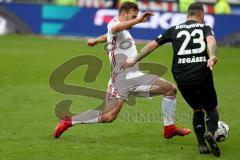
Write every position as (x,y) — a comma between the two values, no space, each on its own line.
(111,91)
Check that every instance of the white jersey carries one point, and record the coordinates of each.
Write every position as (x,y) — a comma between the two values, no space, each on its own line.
(121,47)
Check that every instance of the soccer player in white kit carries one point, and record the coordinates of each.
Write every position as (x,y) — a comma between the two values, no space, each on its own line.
(128,81)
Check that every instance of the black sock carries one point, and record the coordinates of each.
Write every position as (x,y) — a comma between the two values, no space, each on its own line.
(199,125)
(212,121)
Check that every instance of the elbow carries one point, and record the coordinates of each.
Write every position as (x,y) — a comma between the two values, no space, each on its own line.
(114,30)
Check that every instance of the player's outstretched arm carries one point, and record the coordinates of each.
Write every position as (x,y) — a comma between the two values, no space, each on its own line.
(100,39)
(149,48)
(212,46)
(128,24)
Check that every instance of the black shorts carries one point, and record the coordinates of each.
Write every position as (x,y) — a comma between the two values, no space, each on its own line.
(200,96)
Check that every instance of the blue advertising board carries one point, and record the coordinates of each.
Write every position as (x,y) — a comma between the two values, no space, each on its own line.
(75,21)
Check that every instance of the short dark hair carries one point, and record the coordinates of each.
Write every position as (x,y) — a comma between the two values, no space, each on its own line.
(195,8)
(127,6)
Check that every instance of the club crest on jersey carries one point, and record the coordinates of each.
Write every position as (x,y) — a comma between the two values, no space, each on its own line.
(160,36)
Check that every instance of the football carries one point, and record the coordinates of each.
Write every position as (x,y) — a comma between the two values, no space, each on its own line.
(222,132)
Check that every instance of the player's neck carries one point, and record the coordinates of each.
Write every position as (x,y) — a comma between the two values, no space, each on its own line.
(194,19)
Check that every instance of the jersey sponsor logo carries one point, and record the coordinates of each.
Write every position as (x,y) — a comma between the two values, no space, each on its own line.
(195,25)
(192,60)
(159,20)
(123,45)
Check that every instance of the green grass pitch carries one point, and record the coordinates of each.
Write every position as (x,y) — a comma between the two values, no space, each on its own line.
(28,102)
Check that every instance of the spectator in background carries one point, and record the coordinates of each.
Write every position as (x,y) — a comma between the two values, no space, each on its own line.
(222,7)
(122,1)
(184,4)
(8,1)
(115,4)
(65,2)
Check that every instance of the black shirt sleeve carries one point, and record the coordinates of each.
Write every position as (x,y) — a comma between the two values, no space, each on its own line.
(164,38)
(208,31)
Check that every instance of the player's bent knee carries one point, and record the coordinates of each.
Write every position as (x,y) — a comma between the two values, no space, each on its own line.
(211,109)
(109,117)
(172,91)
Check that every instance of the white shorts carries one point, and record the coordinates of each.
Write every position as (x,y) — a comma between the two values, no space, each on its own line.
(125,83)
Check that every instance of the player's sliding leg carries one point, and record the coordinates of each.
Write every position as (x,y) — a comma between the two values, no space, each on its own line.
(199,129)
(212,125)
(108,115)
(168,90)
(111,110)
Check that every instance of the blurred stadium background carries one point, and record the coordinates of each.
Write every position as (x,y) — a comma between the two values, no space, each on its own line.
(66,17)
(38,36)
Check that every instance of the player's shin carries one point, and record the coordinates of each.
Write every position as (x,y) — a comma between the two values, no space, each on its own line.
(199,126)
(212,121)
(168,108)
(91,116)
(212,125)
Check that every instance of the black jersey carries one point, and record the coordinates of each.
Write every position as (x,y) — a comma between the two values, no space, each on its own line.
(189,64)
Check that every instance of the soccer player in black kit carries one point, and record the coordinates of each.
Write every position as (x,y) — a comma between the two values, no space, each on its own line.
(192,71)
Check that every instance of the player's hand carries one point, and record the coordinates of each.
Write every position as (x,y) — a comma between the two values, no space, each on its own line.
(91,42)
(144,17)
(129,63)
(211,62)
